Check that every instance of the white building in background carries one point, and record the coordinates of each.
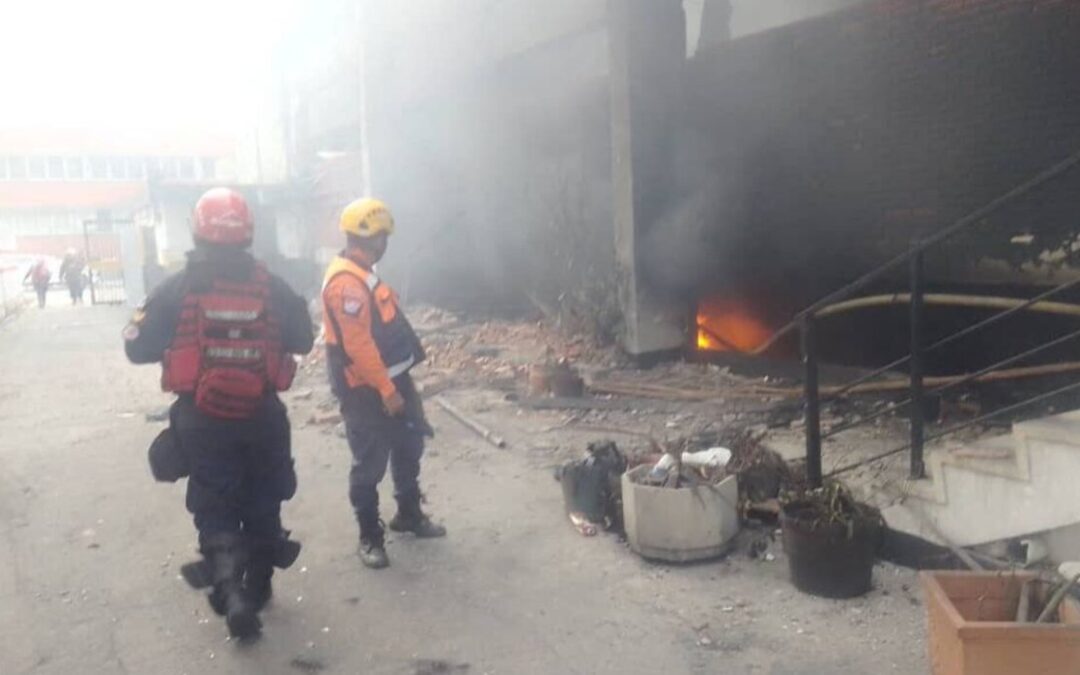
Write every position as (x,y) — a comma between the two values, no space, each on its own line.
(51,181)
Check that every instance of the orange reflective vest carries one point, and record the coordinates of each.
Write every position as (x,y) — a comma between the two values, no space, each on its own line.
(368,339)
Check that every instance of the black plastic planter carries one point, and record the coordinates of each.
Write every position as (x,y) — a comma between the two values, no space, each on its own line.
(830,560)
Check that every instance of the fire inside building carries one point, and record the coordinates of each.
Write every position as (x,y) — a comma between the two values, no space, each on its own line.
(691,177)
(762,159)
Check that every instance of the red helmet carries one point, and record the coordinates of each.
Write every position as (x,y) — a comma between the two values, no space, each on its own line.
(222,217)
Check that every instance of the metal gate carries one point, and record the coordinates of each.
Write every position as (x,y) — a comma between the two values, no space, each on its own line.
(104,261)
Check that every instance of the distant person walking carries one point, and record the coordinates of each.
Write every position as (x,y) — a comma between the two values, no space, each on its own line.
(39,275)
(72,273)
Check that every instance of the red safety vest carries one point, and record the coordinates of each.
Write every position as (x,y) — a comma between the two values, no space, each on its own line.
(227,348)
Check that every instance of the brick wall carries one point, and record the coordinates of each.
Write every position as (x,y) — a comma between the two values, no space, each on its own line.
(832,142)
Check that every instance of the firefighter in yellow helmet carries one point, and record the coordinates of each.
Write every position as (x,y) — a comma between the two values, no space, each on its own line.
(371,347)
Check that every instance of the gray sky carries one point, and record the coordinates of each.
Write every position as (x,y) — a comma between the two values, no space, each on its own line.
(142,64)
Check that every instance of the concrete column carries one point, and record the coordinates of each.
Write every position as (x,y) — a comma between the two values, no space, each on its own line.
(647,41)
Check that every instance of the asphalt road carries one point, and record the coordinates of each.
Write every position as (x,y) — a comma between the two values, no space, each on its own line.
(90,547)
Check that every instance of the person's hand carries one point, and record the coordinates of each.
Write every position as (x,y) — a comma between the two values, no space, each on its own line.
(395,405)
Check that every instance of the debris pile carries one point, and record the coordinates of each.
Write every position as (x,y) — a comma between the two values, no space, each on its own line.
(504,349)
(710,457)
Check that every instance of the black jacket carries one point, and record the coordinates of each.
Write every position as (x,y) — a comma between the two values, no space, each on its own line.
(153,326)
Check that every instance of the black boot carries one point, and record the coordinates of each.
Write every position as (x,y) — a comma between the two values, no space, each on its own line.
(257,575)
(263,556)
(373,544)
(225,556)
(411,518)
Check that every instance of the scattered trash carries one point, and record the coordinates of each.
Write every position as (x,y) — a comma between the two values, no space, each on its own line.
(582,524)
(659,473)
(307,664)
(472,424)
(679,466)
(332,417)
(591,491)
(438,667)
(713,458)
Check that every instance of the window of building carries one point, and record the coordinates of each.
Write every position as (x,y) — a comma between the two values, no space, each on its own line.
(208,166)
(187,168)
(17,168)
(136,168)
(99,169)
(169,168)
(36,168)
(56,168)
(117,168)
(73,167)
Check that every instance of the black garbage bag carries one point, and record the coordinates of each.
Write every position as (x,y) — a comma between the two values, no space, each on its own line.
(592,486)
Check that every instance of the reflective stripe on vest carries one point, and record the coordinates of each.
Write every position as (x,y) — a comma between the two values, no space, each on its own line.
(402,367)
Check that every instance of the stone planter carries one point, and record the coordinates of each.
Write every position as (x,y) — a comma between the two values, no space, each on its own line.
(973,632)
(679,524)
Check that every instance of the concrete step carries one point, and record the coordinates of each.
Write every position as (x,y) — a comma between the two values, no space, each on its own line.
(997,488)
(1005,456)
(1063,429)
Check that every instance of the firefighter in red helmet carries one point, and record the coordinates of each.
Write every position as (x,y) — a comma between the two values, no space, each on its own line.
(225,331)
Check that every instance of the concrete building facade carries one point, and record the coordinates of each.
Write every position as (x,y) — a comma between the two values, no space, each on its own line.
(706,139)
(52,181)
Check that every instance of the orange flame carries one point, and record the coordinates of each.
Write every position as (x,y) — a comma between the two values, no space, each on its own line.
(726,325)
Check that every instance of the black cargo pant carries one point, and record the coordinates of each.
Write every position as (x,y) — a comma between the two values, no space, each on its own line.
(376,439)
(241,470)
(42,291)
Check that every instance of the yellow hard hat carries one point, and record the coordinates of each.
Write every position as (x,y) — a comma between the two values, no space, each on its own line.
(366,217)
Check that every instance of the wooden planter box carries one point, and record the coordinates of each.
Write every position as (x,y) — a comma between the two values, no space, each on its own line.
(972,631)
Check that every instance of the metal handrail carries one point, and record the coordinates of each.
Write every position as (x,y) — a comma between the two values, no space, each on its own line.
(962,333)
(942,235)
(920,247)
(957,427)
(806,322)
(970,377)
